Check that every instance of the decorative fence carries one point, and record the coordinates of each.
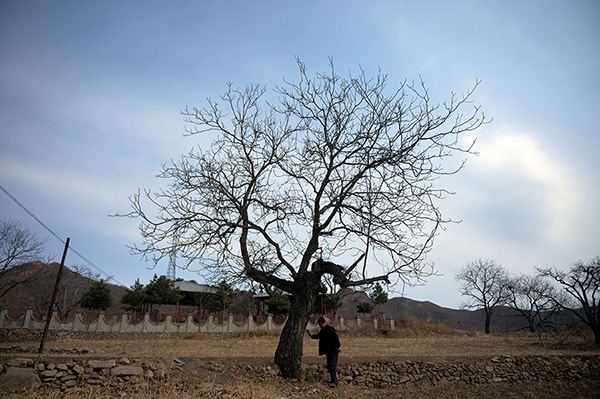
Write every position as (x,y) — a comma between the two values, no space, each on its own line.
(127,322)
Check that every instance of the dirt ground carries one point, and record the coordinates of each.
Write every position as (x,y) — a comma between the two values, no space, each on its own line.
(243,354)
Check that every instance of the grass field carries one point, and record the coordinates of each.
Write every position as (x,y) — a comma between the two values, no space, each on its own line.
(242,355)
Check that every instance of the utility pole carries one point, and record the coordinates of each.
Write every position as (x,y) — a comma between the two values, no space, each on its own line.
(49,317)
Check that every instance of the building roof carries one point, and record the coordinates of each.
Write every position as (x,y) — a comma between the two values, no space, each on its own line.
(189,286)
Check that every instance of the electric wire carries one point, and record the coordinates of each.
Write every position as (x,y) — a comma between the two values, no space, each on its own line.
(89,262)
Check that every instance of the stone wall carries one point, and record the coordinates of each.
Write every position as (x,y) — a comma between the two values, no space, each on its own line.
(124,323)
(385,374)
(74,375)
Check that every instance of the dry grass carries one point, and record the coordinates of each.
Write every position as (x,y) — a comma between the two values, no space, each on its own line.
(410,342)
(357,346)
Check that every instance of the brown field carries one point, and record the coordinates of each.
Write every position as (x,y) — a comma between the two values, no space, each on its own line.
(242,354)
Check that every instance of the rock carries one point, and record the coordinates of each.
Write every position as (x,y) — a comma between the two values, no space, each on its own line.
(48,373)
(360,379)
(123,371)
(20,362)
(216,367)
(125,361)
(316,378)
(404,379)
(70,383)
(78,369)
(174,362)
(191,363)
(425,381)
(102,364)
(40,367)
(16,377)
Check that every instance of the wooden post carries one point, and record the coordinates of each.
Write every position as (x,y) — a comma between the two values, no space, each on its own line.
(49,317)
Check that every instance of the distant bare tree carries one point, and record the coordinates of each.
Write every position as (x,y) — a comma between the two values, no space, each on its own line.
(582,283)
(17,246)
(70,294)
(533,297)
(486,284)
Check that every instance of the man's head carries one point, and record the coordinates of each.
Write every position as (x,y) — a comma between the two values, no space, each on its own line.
(322,322)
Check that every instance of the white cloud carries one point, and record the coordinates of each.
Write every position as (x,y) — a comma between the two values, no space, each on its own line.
(526,186)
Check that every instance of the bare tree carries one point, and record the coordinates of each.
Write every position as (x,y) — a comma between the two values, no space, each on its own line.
(485,283)
(533,297)
(280,196)
(17,246)
(582,283)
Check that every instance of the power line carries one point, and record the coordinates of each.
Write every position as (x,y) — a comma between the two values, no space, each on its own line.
(89,262)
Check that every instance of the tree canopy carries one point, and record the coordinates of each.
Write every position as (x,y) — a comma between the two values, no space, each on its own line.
(97,297)
(334,171)
(486,285)
(582,284)
(17,246)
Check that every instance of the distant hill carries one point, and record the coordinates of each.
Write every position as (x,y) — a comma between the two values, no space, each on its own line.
(401,309)
(40,280)
(74,283)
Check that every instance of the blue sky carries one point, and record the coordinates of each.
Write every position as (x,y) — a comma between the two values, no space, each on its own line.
(90,95)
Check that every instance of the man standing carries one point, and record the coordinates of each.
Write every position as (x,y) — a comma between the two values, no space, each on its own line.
(329,345)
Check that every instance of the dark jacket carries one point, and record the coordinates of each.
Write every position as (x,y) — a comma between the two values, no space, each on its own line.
(328,340)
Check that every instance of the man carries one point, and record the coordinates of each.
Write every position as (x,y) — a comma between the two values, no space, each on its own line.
(329,345)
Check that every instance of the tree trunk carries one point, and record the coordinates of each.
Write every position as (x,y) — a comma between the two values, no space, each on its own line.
(289,351)
(488,318)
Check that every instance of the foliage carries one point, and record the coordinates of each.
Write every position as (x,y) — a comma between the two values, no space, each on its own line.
(333,302)
(279,304)
(134,297)
(365,307)
(486,284)
(17,246)
(222,299)
(159,291)
(378,296)
(335,168)
(97,297)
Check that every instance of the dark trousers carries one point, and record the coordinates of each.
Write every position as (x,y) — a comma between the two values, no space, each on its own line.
(332,360)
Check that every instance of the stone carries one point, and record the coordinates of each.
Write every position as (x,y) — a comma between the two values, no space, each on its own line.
(218,367)
(48,373)
(16,377)
(123,371)
(78,369)
(62,367)
(40,367)
(404,379)
(174,362)
(425,381)
(20,362)
(70,383)
(102,364)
